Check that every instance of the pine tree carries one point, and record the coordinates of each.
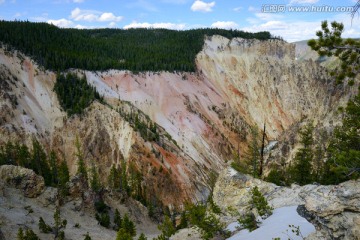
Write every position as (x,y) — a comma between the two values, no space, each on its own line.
(54,168)
(142,237)
(128,225)
(80,160)
(259,202)
(344,149)
(302,168)
(117,220)
(122,234)
(167,228)
(20,234)
(95,182)
(43,227)
(59,225)
(64,177)
(39,162)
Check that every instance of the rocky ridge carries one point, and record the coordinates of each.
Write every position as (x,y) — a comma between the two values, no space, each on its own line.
(333,209)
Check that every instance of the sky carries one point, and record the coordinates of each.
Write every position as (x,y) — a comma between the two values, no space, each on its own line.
(294,20)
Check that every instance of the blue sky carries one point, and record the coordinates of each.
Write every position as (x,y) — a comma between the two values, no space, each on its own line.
(248,15)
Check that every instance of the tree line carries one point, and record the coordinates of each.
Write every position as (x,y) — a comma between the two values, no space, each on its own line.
(137,50)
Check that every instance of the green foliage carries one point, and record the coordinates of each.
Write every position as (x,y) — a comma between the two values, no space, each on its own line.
(43,227)
(103,219)
(276,176)
(114,179)
(39,162)
(344,149)
(183,221)
(330,43)
(74,93)
(259,202)
(128,225)
(35,159)
(28,235)
(100,206)
(117,220)
(87,236)
(95,181)
(251,162)
(59,225)
(167,227)
(123,235)
(301,171)
(207,222)
(64,177)
(213,206)
(101,49)
(160,237)
(80,160)
(248,221)
(142,237)
(296,230)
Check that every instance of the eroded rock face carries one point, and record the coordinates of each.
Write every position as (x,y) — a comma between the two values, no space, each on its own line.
(334,209)
(25,179)
(204,116)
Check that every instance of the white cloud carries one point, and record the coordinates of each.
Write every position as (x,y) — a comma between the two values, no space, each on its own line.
(268,16)
(112,24)
(238,9)
(200,6)
(93,16)
(107,17)
(78,1)
(63,23)
(303,1)
(2,1)
(224,25)
(173,26)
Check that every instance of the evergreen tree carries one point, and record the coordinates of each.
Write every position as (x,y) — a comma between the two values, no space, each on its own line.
(259,202)
(128,225)
(142,237)
(122,234)
(54,168)
(95,182)
(330,43)
(64,177)
(20,234)
(117,220)
(302,168)
(43,227)
(80,160)
(114,178)
(344,149)
(59,225)
(39,162)
(167,228)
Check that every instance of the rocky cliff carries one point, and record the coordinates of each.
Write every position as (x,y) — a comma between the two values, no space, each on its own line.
(203,117)
(334,209)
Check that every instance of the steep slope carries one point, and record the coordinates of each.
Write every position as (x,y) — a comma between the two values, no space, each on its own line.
(202,117)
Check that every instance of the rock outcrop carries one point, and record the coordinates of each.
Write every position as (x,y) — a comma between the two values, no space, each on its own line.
(25,179)
(334,209)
